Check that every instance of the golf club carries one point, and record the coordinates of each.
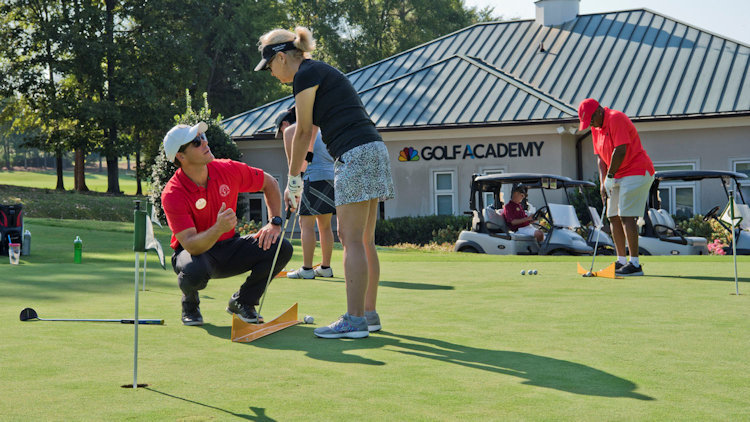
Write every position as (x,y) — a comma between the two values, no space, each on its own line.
(29,314)
(275,257)
(596,244)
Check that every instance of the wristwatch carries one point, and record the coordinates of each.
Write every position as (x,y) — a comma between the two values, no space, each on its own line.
(276,220)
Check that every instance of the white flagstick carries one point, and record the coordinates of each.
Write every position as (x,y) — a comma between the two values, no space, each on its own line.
(145,255)
(734,240)
(135,345)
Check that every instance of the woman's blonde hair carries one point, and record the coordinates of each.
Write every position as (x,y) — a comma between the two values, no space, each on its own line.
(302,37)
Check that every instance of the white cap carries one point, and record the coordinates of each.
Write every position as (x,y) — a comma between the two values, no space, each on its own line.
(179,136)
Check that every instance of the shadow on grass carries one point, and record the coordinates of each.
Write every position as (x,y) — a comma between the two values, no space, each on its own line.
(699,278)
(260,413)
(413,286)
(396,284)
(540,371)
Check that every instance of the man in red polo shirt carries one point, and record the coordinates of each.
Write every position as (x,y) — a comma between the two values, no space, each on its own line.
(199,202)
(626,174)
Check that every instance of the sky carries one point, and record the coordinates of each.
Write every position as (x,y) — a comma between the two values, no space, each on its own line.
(728,18)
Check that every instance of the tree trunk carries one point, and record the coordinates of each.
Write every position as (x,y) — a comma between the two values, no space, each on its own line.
(6,147)
(139,189)
(79,172)
(59,163)
(113,181)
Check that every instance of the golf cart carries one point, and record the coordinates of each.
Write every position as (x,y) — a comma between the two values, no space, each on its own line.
(660,236)
(604,243)
(490,233)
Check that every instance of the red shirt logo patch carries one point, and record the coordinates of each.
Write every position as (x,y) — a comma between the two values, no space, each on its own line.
(223,190)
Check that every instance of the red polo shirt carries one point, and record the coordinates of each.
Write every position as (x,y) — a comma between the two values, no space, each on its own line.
(188,205)
(617,130)
(513,211)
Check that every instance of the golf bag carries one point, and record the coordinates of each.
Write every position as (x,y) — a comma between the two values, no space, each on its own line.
(11,226)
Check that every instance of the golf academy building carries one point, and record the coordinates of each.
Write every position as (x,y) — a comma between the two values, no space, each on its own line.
(503,97)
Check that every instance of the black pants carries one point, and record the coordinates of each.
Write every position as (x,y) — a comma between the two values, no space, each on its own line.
(229,258)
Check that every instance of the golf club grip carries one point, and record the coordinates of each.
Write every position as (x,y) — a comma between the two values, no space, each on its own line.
(143,321)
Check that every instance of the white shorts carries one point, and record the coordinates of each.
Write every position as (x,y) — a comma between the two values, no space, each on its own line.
(527,230)
(629,195)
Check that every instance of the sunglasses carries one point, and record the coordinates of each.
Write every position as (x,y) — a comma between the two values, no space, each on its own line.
(268,63)
(196,142)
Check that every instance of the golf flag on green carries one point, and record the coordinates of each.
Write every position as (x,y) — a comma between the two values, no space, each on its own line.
(152,244)
(143,236)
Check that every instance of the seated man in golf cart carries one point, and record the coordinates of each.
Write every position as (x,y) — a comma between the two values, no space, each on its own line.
(515,216)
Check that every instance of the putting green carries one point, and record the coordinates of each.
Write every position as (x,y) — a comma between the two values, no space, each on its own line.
(466,337)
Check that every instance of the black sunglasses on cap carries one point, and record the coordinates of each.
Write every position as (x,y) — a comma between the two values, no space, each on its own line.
(196,142)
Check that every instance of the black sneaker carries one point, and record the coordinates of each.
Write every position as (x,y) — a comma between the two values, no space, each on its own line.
(246,313)
(191,315)
(618,265)
(629,270)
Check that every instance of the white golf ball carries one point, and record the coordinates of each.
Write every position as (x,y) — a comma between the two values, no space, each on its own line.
(531,272)
(308,319)
(536,272)
(523,272)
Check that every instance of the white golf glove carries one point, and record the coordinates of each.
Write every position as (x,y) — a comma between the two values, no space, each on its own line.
(294,187)
(609,184)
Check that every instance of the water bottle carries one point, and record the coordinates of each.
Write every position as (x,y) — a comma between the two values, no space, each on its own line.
(77,250)
(26,243)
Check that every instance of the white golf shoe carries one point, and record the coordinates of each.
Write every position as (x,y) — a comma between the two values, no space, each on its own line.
(301,273)
(323,272)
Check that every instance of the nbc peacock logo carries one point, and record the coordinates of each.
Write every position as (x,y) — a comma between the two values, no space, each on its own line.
(408,154)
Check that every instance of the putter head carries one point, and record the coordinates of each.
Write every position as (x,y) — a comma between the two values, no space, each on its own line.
(28,314)
(588,274)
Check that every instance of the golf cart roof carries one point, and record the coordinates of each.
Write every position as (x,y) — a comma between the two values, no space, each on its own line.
(528,179)
(586,183)
(696,174)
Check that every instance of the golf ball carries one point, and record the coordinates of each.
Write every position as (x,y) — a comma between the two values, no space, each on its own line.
(523,272)
(536,272)
(309,319)
(531,272)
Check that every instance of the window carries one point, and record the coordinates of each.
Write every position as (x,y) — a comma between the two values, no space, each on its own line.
(678,198)
(743,166)
(488,199)
(444,195)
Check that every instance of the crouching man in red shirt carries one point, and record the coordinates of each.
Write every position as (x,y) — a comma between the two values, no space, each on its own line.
(199,202)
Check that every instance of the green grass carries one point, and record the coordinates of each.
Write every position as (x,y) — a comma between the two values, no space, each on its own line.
(466,337)
(46,203)
(95,181)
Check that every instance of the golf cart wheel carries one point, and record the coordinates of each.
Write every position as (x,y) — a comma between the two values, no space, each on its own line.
(559,252)
(468,249)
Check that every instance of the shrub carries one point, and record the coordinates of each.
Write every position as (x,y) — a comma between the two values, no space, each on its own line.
(222,146)
(420,230)
(247,227)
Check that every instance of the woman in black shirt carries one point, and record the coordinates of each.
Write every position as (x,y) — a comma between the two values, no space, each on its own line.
(324,97)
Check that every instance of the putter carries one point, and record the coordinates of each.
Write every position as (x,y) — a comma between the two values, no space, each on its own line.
(275,257)
(596,244)
(29,314)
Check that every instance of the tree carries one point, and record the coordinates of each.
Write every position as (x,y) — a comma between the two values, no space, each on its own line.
(354,33)
(222,146)
(30,49)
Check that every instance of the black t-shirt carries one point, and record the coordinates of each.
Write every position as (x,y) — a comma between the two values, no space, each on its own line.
(338,110)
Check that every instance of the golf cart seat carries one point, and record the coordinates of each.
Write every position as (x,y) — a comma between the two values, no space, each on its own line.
(496,224)
(667,230)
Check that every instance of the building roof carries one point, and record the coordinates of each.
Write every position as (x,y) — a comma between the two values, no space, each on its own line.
(638,61)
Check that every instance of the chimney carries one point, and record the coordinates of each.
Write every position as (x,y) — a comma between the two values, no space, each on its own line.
(556,12)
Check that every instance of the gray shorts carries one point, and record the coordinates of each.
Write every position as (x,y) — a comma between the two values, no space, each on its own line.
(628,198)
(317,198)
(363,173)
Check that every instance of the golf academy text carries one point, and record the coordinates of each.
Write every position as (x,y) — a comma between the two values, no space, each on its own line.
(498,150)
